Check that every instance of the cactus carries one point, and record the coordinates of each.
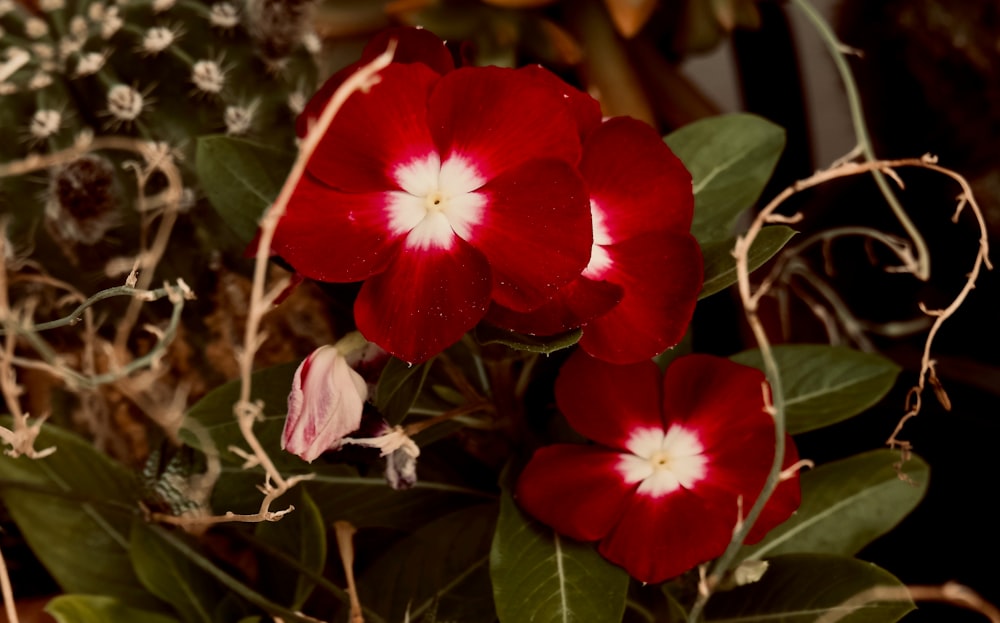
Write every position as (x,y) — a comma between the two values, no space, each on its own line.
(166,71)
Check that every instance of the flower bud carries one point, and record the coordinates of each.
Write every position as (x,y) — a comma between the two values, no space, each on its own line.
(324,405)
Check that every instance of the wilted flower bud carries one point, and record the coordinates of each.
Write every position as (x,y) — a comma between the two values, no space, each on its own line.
(324,405)
(401,467)
(400,452)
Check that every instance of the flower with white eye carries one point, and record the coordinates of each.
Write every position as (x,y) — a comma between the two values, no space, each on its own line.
(679,459)
(441,189)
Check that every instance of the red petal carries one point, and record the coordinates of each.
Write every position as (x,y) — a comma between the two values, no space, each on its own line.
(573,306)
(717,397)
(575,489)
(606,403)
(660,538)
(585,109)
(332,236)
(376,132)
(661,274)
(638,184)
(424,301)
(536,232)
(314,107)
(723,402)
(413,45)
(500,119)
(783,502)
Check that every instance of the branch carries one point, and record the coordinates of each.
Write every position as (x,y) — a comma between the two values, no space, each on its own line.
(838,52)
(949,593)
(245,410)
(751,299)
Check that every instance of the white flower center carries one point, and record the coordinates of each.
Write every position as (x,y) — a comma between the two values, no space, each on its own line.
(600,261)
(663,462)
(438,201)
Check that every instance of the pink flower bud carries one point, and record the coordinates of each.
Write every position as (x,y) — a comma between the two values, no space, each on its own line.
(324,405)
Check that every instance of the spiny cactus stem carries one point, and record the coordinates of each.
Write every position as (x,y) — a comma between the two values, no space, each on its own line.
(110,85)
(196,7)
(171,48)
(50,136)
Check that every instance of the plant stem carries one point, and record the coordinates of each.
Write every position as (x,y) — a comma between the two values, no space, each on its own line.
(922,270)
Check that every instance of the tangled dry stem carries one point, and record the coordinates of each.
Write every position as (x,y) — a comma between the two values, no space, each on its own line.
(950,593)
(345,547)
(21,438)
(8,592)
(154,158)
(247,411)
(751,298)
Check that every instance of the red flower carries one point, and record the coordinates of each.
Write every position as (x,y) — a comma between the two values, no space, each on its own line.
(638,292)
(443,190)
(661,492)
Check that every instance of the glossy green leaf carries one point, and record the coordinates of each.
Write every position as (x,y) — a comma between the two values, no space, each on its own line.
(543,345)
(720,265)
(214,413)
(241,178)
(847,504)
(340,493)
(163,538)
(302,535)
(800,588)
(824,384)
(541,576)
(74,509)
(731,158)
(100,609)
(427,568)
(399,385)
(171,576)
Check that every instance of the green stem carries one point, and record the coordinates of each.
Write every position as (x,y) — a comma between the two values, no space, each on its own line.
(77,314)
(836,48)
(725,562)
(90,382)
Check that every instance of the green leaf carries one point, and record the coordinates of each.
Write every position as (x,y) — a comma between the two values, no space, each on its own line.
(824,384)
(302,535)
(800,588)
(100,609)
(541,576)
(74,509)
(372,502)
(541,344)
(720,265)
(236,588)
(241,178)
(730,158)
(214,413)
(340,493)
(399,385)
(171,576)
(426,569)
(847,504)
